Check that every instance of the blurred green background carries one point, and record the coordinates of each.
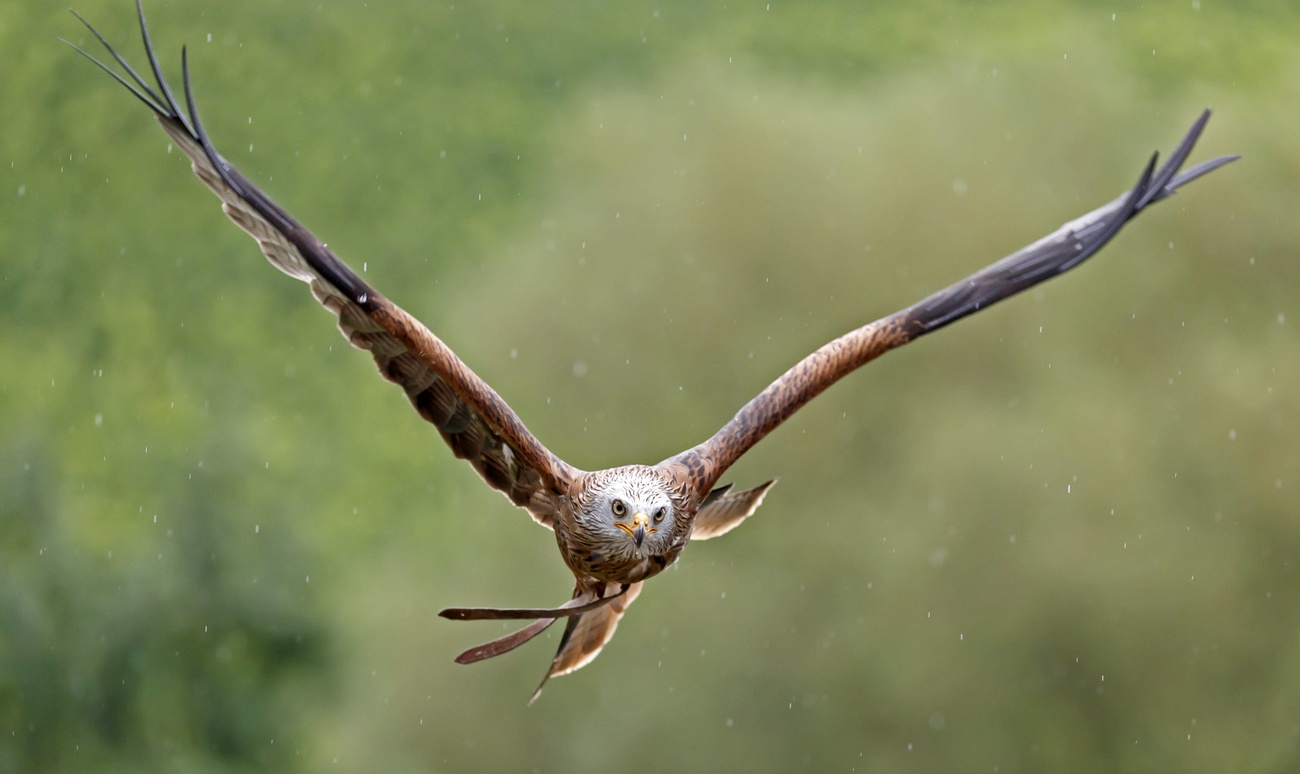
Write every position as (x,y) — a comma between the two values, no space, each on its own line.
(1059,536)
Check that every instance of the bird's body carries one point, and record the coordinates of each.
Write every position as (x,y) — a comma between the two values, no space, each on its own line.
(594,548)
(617,527)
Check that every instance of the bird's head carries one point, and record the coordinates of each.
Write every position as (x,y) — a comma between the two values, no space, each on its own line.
(633,510)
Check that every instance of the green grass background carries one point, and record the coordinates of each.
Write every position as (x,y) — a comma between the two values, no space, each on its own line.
(1060,536)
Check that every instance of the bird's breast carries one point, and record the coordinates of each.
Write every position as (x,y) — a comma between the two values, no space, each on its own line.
(591,555)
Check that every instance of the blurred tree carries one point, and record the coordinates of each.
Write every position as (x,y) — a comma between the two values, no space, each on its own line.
(104,663)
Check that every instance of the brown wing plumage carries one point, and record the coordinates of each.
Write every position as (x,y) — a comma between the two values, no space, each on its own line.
(723,510)
(475,422)
(1054,254)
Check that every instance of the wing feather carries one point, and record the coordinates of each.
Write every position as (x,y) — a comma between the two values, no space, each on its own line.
(723,510)
(474,421)
(1055,253)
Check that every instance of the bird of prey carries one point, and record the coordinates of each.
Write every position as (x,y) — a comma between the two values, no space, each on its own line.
(617,527)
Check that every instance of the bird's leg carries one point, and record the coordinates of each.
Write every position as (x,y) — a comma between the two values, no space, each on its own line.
(581,603)
(576,606)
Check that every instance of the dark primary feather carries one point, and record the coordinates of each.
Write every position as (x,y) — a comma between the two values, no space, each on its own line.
(475,422)
(1066,248)
(1054,254)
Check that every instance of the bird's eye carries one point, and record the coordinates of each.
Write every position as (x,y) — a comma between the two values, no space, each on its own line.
(659,515)
(618,508)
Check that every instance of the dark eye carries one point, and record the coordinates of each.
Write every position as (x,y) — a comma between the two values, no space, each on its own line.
(618,507)
(659,515)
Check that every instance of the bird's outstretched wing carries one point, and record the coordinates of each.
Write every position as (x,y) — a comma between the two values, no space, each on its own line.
(1055,253)
(470,416)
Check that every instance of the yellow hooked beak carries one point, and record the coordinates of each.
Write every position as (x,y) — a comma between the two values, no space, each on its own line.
(638,529)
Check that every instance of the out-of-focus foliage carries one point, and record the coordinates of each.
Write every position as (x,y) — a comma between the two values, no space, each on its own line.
(1061,535)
